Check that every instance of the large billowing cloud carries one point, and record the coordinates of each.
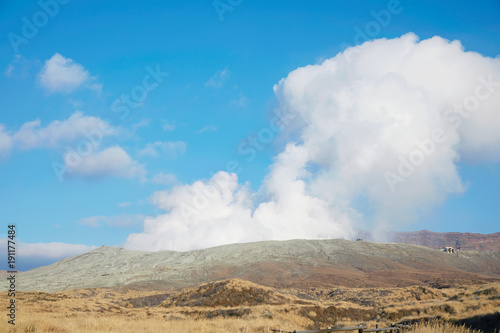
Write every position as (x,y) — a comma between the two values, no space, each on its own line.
(221,211)
(391,123)
(385,122)
(212,212)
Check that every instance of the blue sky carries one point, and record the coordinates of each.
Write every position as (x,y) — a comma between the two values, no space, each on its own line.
(216,64)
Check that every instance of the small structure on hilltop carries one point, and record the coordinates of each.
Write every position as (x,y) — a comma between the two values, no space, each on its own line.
(449,249)
(359,239)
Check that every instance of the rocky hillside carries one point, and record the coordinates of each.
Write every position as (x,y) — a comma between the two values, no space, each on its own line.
(233,293)
(280,264)
(437,240)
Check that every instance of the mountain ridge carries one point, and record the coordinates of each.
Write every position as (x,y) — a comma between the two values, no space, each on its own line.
(464,241)
(291,263)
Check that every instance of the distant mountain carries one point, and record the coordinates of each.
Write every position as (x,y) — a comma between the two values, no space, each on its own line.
(279,264)
(437,240)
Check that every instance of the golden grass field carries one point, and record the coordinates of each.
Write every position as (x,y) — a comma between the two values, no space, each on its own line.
(241,306)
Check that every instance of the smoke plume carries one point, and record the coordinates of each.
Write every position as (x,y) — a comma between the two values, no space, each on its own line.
(386,122)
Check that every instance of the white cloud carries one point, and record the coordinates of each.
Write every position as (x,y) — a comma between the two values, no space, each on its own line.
(82,137)
(54,250)
(239,101)
(59,133)
(218,79)
(5,143)
(292,211)
(142,123)
(124,204)
(210,127)
(62,74)
(353,122)
(167,126)
(357,119)
(164,179)
(111,162)
(92,221)
(10,70)
(121,221)
(193,220)
(18,67)
(221,211)
(170,149)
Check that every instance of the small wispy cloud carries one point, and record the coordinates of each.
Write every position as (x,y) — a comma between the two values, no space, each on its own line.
(167,126)
(210,127)
(5,142)
(164,179)
(18,67)
(120,221)
(239,101)
(218,79)
(124,204)
(170,149)
(142,123)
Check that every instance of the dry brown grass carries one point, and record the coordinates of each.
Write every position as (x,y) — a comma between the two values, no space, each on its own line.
(240,306)
(440,327)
